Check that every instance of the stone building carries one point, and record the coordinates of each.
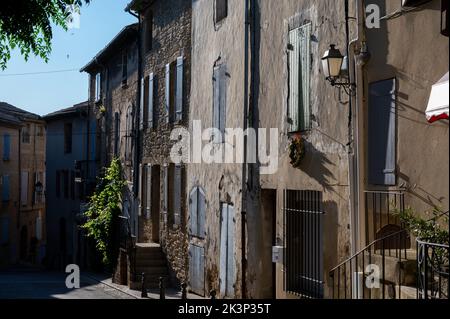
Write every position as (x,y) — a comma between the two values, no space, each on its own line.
(165,44)
(72,166)
(22,171)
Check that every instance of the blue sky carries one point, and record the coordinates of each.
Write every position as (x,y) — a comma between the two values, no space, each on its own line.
(45,93)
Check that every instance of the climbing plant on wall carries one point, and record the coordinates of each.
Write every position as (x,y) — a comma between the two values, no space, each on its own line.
(104,209)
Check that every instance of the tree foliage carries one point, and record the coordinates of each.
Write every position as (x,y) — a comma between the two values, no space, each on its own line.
(104,209)
(27,26)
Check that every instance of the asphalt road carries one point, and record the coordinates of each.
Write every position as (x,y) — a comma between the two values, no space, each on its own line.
(36,284)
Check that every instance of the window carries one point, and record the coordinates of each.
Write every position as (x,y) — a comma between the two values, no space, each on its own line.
(129,134)
(151,116)
(98,87)
(146,190)
(220,99)
(39,130)
(227,272)
(26,131)
(299,52)
(382,133)
(148,34)
(24,188)
(303,262)
(6,147)
(221,10)
(124,67)
(58,184)
(173,193)
(68,138)
(175,91)
(39,179)
(116,133)
(5,188)
(197,213)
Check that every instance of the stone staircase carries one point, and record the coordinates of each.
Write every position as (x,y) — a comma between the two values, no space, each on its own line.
(150,260)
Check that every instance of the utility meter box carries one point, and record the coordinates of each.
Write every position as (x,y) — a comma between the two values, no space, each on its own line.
(277,254)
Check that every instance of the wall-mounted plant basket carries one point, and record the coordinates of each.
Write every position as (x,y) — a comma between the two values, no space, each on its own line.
(297,150)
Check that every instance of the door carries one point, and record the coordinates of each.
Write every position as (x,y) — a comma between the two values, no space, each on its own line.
(227,250)
(155,206)
(268,234)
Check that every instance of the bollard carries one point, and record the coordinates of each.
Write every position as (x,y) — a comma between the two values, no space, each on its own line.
(184,291)
(162,293)
(144,288)
(212,293)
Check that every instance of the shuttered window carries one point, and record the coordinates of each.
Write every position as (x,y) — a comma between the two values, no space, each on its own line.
(142,105)
(382,133)
(5,188)
(165,191)
(299,53)
(151,95)
(148,190)
(179,90)
(197,213)
(6,147)
(220,99)
(168,99)
(24,188)
(227,242)
(177,194)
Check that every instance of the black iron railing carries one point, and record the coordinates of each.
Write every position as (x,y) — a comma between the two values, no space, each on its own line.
(365,276)
(381,219)
(432,270)
(127,242)
(303,260)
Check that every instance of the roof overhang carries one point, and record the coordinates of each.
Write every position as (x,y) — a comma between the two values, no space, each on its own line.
(438,104)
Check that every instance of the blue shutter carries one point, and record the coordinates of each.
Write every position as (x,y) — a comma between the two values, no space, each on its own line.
(5,188)
(168,93)
(382,133)
(151,85)
(141,106)
(201,213)
(230,253)
(305,66)
(6,147)
(179,89)
(223,249)
(294,85)
(193,224)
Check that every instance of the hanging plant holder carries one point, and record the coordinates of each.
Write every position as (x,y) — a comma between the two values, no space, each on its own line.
(297,151)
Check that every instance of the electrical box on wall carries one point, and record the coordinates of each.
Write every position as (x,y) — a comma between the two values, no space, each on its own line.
(277,254)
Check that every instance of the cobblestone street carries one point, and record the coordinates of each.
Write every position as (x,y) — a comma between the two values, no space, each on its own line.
(35,284)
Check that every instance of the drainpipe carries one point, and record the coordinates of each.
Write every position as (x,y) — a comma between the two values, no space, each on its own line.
(357,53)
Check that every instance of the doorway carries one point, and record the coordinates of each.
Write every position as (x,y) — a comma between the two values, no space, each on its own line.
(155,207)
(268,218)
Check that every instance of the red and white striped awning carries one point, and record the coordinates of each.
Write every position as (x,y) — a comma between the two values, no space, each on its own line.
(439,100)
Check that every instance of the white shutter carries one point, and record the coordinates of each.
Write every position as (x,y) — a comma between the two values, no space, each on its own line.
(193,212)
(230,253)
(223,249)
(179,89)
(201,214)
(177,195)
(148,190)
(151,93)
(24,188)
(168,93)
(141,188)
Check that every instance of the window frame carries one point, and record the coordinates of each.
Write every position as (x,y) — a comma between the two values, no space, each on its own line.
(219,19)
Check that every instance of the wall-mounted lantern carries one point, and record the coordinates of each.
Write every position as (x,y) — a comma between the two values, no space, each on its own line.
(334,66)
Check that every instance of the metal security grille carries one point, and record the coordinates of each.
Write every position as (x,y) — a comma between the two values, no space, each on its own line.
(303,260)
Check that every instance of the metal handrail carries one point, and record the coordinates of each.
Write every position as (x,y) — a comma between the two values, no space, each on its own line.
(366,248)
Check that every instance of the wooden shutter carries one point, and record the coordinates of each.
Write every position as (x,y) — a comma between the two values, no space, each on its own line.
(6,147)
(177,187)
(305,66)
(141,106)
(230,252)
(5,188)
(151,95)
(299,78)
(201,214)
(24,188)
(223,249)
(193,212)
(382,133)
(168,93)
(197,269)
(148,198)
(179,89)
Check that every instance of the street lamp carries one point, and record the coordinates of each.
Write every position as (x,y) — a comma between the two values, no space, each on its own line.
(332,64)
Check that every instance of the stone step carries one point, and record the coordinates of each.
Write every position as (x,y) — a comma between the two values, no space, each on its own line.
(150,262)
(152,271)
(150,283)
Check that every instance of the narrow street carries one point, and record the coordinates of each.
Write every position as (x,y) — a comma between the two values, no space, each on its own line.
(35,284)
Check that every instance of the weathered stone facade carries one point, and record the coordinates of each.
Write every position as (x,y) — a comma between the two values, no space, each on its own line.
(168,40)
